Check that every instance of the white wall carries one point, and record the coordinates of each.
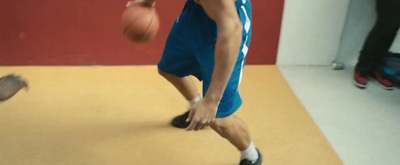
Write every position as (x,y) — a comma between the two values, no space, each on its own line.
(396,44)
(311,31)
(361,18)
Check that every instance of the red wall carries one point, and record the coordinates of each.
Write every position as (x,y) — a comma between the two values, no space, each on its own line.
(87,32)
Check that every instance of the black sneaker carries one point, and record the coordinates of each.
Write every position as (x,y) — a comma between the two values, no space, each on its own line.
(248,162)
(180,121)
(10,85)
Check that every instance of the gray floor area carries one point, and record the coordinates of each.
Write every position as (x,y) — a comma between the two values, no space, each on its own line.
(363,126)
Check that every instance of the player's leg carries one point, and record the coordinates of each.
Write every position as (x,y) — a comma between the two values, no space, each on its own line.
(237,133)
(176,66)
(227,124)
(234,130)
(178,62)
(184,85)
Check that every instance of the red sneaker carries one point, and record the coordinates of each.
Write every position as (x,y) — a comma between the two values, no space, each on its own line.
(360,79)
(382,80)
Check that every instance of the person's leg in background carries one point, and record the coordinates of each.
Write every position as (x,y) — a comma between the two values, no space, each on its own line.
(378,43)
(10,85)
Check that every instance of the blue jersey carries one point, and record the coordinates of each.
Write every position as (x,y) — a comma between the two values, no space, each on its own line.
(190,50)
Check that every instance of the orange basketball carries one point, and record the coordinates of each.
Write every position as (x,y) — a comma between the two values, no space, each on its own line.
(140,23)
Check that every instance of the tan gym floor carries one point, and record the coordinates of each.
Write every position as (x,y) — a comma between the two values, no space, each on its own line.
(121,115)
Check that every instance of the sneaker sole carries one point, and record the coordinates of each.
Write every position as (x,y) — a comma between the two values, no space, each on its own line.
(179,121)
(384,87)
(358,85)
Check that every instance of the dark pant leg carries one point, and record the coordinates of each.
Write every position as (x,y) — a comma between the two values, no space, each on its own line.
(381,36)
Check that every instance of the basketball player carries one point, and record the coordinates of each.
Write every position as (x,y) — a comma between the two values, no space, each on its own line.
(210,40)
(10,85)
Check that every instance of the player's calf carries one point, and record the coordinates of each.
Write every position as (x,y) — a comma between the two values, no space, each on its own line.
(235,131)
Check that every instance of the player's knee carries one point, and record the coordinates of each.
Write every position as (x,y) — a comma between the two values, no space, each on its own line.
(166,75)
(161,73)
(223,129)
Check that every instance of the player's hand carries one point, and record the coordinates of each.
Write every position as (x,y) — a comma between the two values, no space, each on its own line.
(150,3)
(202,115)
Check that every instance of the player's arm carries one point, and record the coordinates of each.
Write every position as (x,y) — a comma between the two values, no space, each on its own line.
(224,13)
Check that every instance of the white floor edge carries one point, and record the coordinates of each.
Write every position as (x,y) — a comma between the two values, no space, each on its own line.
(363,126)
